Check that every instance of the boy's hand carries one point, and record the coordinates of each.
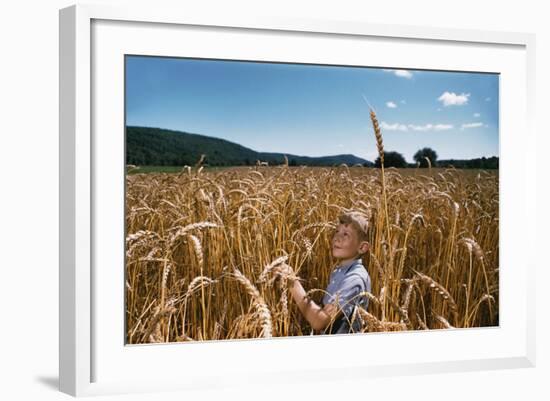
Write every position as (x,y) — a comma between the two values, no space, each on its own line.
(284,270)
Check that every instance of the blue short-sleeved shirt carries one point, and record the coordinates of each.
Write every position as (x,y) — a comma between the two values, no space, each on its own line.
(346,282)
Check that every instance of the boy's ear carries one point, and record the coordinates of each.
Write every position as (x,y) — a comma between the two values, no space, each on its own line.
(364,247)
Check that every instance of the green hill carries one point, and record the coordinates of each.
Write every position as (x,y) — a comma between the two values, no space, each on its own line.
(146,146)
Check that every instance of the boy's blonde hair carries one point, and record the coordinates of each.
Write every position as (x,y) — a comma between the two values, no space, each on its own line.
(358,220)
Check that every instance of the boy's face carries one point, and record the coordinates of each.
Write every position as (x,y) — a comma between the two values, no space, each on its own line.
(346,243)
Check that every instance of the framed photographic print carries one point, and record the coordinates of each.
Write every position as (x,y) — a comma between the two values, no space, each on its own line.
(236,194)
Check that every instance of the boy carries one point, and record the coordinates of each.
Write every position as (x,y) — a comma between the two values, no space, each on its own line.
(346,282)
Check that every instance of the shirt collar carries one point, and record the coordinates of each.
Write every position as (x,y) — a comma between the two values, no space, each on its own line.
(347,266)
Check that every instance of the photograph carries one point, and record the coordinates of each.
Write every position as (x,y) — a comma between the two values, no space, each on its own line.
(280,199)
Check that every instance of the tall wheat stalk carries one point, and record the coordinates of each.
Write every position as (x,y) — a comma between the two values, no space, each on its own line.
(380,147)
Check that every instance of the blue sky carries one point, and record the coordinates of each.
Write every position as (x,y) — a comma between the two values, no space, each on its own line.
(315,110)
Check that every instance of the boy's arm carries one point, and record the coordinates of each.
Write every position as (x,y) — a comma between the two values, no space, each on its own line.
(318,317)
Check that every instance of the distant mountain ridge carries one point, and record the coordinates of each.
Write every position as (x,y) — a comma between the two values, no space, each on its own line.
(148,146)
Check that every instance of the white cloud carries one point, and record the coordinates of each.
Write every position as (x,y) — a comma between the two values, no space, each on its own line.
(401,73)
(430,127)
(452,99)
(391,105)
(477,115)
(393,127)
(426,127)
(471,125)
(412,127)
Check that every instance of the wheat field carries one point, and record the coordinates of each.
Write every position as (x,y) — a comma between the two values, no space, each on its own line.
(201,245)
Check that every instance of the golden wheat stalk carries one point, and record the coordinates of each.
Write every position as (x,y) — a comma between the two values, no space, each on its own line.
(372,324)
(267,269)
(154,324)
(259,303)
(442,291)
(182,231)
(380,146)
(200,161)
(378,136)
(444,322)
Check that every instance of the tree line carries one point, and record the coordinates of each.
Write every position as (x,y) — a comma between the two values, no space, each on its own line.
(427,157)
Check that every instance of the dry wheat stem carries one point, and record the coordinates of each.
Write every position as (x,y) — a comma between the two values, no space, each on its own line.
(258,301)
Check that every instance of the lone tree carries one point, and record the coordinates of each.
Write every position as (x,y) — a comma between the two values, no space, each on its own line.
(422,154)
(391,159)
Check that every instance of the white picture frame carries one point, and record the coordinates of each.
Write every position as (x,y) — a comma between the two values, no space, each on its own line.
(93,358)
